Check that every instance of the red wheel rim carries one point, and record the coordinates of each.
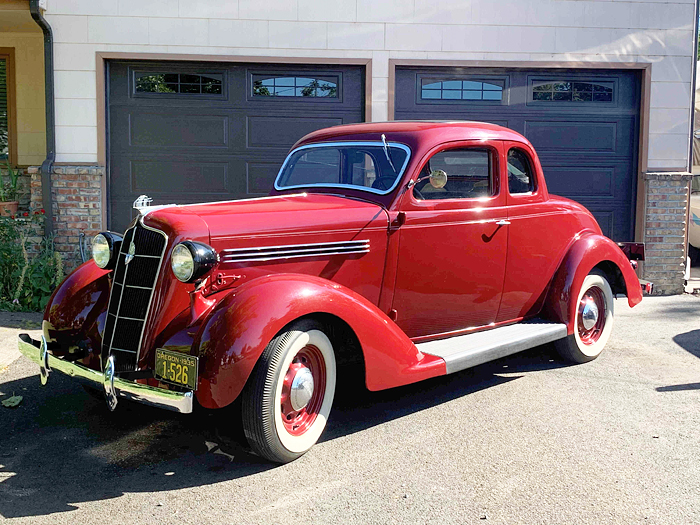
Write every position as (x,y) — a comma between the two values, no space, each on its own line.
(591,335)
(297,422)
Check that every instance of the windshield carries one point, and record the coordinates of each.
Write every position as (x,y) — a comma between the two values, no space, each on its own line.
(367,166)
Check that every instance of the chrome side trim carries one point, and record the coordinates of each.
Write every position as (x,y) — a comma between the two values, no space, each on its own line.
(379,144)
(292,251)
(148,395)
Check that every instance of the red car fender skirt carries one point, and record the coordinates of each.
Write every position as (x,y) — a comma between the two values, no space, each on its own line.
(585,253)
(241,325)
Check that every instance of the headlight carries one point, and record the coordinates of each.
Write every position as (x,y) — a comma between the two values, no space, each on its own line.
(190,260)
(105,248)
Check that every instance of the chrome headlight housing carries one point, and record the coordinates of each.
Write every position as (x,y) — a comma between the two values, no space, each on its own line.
(190,260)
(105,249)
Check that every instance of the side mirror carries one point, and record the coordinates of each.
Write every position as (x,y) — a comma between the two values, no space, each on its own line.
(438,179)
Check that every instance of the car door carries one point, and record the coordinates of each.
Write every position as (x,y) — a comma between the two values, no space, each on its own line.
(536,243)
(453,243)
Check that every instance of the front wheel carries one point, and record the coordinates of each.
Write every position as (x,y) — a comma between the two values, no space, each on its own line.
(287,400)
(593,322)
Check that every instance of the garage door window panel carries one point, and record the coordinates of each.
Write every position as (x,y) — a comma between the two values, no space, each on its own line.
(573,91)
(469,175)
(295,86)
(461,90)
(148,83)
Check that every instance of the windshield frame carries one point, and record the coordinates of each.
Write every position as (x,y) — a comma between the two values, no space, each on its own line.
(378,143)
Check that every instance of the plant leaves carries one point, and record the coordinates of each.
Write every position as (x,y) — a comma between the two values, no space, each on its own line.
(12,402)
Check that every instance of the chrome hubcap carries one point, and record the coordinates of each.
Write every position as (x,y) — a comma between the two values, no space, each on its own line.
(302,388)
(589,313)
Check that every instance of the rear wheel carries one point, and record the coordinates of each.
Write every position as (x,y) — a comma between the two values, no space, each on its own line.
(593,322)
(287,400)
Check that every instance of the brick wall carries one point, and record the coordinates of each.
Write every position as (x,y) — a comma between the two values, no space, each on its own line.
(77,207)
(665,230)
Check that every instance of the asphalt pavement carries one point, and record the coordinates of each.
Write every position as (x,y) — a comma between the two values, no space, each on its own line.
(526,439)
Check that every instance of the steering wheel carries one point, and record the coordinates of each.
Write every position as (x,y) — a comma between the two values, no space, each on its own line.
(383,183)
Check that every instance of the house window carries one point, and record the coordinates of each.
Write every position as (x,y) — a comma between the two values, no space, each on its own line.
(550,91)
(433,89)
(293,86)
(4,110)
(182,83)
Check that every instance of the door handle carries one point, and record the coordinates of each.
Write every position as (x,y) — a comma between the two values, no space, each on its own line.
(503,222)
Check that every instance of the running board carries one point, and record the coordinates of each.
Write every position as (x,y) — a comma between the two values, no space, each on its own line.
(466,351)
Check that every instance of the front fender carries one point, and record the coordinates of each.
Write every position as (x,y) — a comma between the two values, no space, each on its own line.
(74,316)
(242,324)
(587,252)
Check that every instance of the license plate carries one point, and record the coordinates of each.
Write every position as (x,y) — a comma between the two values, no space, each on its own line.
(175,367)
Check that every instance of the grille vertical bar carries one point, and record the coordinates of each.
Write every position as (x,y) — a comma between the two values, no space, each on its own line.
(131,295)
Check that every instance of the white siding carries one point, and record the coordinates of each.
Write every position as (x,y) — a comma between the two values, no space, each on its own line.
(656,32)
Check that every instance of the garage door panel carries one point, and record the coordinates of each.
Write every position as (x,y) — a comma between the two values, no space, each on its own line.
(280,132)
(585,130)
(162,176)
(260,176)
(153,130)
(180,147)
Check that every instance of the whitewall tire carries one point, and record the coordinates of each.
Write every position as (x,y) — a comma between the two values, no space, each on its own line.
(288,398)
(593,322)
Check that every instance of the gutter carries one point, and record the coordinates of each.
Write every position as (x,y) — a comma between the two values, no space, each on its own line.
(47,165)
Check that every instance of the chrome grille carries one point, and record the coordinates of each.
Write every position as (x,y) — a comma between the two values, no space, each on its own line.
(130,299)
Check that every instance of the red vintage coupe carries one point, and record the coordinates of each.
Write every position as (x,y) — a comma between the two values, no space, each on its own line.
(404,250)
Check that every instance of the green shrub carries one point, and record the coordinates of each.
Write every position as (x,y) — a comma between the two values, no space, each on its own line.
(26,280)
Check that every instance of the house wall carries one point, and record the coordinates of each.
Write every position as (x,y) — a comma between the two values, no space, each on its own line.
(459,30)
(29,95)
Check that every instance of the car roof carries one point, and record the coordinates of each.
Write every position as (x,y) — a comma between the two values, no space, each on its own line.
(421,131)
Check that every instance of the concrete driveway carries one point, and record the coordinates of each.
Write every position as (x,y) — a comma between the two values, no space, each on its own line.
(525,439)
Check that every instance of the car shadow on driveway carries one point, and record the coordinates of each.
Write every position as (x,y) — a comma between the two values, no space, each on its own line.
(690,342)
(62,447)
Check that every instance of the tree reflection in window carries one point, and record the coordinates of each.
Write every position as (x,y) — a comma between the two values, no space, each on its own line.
(289,86)
(183,83)
(572,91)
(461,90)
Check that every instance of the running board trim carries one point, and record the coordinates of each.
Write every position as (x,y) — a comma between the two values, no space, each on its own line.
(466,351)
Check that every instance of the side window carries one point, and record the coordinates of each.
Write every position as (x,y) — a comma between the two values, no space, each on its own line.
(469,175)
(520,175)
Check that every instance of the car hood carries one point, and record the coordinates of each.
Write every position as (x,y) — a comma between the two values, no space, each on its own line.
(279,216)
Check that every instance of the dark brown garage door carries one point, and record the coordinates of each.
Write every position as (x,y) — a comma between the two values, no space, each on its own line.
(583,124)
(183,132)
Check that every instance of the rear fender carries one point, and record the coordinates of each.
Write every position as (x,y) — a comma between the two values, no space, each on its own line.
(585,253)
(241,325)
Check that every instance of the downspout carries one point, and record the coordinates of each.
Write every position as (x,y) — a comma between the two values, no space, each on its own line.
(47,165)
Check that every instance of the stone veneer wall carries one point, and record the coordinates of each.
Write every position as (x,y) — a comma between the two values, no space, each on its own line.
(665,230)
(77,207)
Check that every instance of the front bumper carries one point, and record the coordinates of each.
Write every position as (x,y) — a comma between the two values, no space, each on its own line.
(114,387)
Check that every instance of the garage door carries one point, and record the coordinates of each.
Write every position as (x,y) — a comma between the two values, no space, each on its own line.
(196,132)
(583,124)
